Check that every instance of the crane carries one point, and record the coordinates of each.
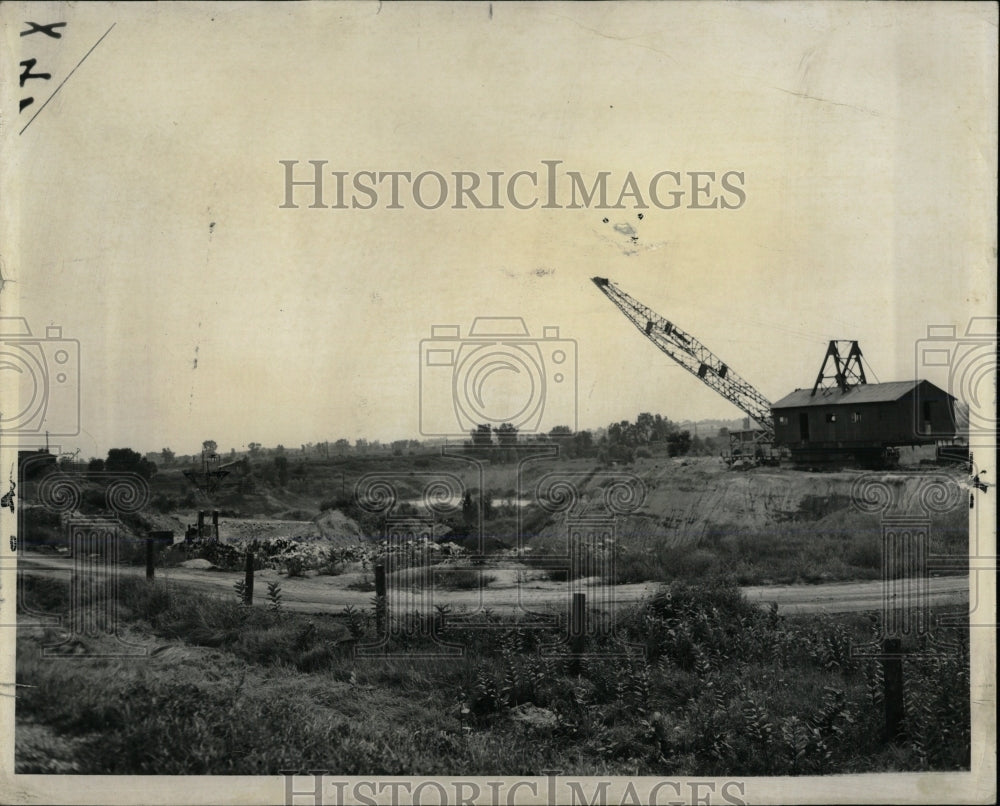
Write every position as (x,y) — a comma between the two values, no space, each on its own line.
(691,354)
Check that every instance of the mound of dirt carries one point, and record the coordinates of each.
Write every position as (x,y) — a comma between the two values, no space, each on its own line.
(239,530)
(335,526)
(152,521)
(331,527)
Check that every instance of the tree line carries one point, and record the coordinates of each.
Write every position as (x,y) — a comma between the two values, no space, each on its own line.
(621,441)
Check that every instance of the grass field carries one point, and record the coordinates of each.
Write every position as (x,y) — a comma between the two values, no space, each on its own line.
(695,681)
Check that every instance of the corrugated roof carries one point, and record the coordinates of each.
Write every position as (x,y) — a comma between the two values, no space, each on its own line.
(864,393)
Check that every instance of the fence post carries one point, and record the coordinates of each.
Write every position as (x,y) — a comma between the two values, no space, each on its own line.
(215,525)
(248,583)
(892,682)
(380,605)
(201,524)
(577,629)
(150,570)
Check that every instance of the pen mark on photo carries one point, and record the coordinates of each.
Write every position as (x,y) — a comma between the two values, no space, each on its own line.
(44,29)
(61,83)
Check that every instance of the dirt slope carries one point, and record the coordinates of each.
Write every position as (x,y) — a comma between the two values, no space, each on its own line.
(694,501)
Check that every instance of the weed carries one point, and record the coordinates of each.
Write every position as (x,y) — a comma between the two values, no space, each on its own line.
(274,596)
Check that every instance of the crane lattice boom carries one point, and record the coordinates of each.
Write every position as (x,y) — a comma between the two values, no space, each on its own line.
(691,354)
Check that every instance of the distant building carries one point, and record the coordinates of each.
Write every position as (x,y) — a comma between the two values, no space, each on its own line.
(863,421)
(34,464)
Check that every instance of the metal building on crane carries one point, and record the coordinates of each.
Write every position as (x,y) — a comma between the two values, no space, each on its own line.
(842,418)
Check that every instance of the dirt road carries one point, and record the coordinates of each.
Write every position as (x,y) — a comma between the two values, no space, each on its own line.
(505,594)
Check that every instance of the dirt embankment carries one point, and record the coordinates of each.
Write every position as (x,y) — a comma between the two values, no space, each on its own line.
(330,527)
(697,501)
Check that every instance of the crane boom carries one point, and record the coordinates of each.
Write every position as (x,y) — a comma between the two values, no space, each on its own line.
(691,354)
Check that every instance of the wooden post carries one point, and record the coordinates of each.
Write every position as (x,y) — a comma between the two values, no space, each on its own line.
(201,523)
(380,605)
(892,682)
(248,583)
(577,629)
(150,570)
(215,524)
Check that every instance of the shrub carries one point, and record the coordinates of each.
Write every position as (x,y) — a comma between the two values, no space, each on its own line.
(163,503)
(44,594)
(463,579)
(295,566)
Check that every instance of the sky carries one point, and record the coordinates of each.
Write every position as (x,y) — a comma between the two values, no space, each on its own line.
(144,206)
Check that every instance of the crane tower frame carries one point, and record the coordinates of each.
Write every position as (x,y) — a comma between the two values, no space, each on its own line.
(693,356)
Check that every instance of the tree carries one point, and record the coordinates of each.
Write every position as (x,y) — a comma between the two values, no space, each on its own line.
(622,433)
(506,435)
(482,436)
(468,509)
(281,466)
(679,443)
(254,448)
(662,428)
(507,440)
(341,446)
(95,465)
(645,428)
(583,443)
(562,435)
(209,446)
(167,456)
(125,460)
